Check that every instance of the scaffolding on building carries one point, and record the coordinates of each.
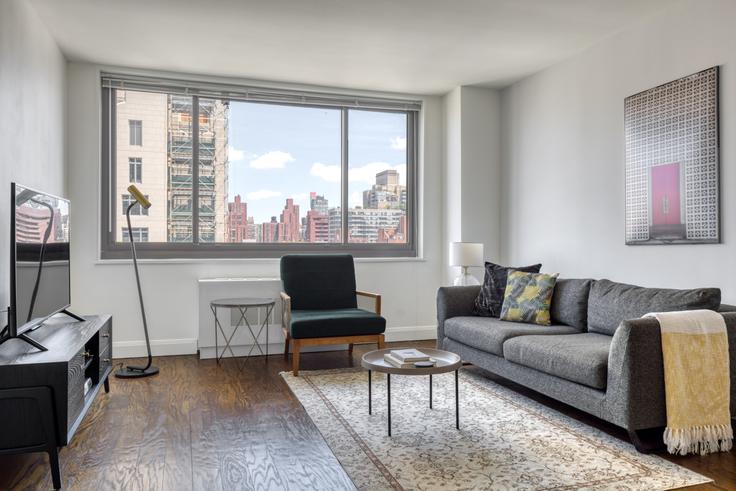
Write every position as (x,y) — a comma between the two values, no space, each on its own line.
(213,172)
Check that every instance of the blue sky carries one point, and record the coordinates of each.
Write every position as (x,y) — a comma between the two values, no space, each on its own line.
(279,152)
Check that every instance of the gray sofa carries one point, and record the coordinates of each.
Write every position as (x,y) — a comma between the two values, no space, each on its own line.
(598,355)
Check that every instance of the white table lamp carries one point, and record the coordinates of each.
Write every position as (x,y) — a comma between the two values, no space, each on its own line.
(465,255)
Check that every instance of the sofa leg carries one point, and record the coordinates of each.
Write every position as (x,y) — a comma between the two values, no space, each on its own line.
(380,341)
(295,358)
(648,441)
(350,348)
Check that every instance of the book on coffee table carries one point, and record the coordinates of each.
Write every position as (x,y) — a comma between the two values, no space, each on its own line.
(392,360)
(409,355)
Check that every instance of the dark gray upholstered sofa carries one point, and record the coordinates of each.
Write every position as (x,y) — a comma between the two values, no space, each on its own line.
(598,355)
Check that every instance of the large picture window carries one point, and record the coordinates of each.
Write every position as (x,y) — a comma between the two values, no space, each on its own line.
(271,172)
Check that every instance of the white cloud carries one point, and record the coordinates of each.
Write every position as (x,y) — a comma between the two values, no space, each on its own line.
(235,155)
(363,174)
(275,159)
(398,143)
(262,194)
(329,173)
(356,199)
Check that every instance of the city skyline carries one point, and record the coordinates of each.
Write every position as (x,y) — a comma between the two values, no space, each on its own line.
(278,152)
(380,219)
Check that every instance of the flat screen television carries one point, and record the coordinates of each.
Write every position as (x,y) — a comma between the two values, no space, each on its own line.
(39,258)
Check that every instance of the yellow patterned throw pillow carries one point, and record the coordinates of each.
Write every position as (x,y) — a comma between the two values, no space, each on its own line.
(528,297)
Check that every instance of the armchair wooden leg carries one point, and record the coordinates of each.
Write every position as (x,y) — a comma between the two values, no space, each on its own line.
(295,357)
(350,348)
(381,343)
(287,338)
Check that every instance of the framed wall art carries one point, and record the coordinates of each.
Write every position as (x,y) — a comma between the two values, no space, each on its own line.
(672,159)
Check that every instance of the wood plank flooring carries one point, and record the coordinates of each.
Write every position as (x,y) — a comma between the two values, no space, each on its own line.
(199,426)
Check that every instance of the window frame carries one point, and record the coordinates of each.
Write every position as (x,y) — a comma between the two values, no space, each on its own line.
(110,249)
(135,138)
(135,168)
(140,231)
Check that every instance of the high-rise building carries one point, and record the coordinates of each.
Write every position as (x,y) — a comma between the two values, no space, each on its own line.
(269,231)
(318,203)
(290,225)
(237,220)
(212,166)
(155,138)
(142,159)
(364,224)
(317,228)
(386,193)
(393,235)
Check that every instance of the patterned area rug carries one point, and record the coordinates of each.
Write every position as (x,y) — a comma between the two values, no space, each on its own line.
(506,441)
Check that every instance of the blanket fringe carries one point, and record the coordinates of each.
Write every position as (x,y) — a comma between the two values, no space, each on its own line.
(699,439)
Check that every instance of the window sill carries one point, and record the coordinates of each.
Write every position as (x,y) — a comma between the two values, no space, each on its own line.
(258,260)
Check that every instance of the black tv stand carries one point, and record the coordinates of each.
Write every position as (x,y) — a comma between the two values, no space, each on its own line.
(45,396)
(4,336)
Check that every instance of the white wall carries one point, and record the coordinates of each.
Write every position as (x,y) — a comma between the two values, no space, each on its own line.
(32,98)
(563,153)
(170,288)
(472,124)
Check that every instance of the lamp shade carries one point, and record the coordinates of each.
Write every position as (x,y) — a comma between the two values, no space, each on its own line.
(466,254)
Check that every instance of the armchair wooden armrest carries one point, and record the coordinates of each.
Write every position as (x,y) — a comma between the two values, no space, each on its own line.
(285,310)
(376,299)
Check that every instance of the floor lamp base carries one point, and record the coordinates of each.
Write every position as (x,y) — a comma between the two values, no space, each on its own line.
(136,372)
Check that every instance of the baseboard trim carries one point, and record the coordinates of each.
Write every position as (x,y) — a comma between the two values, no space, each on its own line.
(159,347)
(188,346)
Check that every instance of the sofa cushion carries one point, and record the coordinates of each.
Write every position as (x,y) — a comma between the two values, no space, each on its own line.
(488,334)
(610,303)
(581,358)
(570,302)
(337,322)
(527,297)
(490,297)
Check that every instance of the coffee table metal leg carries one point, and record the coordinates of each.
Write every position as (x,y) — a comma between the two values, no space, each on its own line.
(430,391)
(457,403)
(370,409)
(388,392)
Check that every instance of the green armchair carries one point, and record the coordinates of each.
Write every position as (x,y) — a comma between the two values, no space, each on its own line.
(320,307)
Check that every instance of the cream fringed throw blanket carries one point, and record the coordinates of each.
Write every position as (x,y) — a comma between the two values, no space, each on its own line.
(696,381)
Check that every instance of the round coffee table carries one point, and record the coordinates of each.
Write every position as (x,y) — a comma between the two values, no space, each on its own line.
(445,362)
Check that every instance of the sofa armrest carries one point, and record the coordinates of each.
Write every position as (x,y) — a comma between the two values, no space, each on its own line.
(726,308)
(453,301)
(635,395)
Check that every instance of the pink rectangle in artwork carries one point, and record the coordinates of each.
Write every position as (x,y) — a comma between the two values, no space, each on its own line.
(665,194)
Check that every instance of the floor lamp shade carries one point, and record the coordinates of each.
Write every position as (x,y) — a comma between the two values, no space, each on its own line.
(465,255)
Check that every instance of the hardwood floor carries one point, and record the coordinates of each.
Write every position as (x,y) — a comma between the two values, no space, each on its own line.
(199,426)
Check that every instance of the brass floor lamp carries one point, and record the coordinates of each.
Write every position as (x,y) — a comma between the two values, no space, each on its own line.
(132,371)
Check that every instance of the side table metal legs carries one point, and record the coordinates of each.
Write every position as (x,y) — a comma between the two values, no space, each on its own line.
(242,322)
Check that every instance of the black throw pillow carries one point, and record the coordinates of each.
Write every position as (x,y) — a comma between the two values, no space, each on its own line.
(490,299)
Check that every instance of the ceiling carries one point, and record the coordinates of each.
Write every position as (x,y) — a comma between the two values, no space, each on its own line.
(412,46)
